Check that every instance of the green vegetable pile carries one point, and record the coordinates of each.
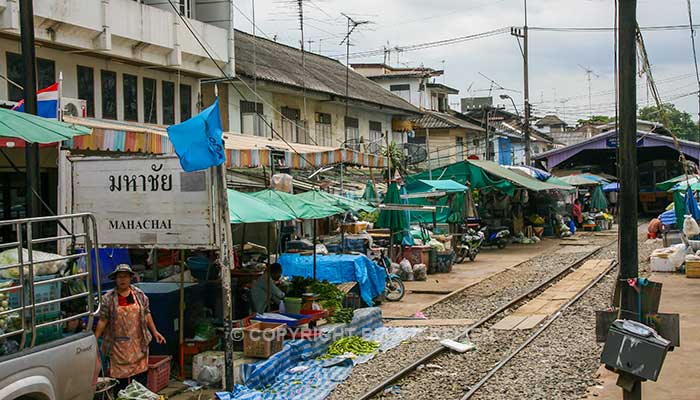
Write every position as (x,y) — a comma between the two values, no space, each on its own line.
(343,316)
(351,344)
(329,295)
(369,217)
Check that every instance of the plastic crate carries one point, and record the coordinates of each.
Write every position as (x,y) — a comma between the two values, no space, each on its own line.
(42,293)
(158,373)
(263,339)
(47,333)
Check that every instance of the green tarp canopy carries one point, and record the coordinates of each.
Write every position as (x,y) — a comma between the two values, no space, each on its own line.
(558,181)
(515,178)
(35,129)
(333,200)
(579,180)
(295,205)
(425,185)
(667,185)
(682,185)
(477,174)
(246,209)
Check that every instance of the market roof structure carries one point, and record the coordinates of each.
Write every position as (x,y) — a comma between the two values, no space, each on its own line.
(246,209)
(666,185)
(333,200)
(299,207)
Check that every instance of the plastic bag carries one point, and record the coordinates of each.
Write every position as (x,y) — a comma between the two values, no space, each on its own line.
(9,257)
(395,269)
(437,245)
(406,273)
(209,376)
(420,272)
(136,391)
(690,227)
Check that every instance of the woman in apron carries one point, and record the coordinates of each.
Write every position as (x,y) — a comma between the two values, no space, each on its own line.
(126,326)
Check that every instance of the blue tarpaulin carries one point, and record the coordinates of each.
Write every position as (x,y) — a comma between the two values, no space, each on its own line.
(339,268)
(197,141)
(272,379)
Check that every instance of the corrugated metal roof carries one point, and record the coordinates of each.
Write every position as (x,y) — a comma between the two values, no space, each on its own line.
(439,120)
(281,64)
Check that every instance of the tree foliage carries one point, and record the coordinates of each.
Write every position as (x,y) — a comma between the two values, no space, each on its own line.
(677,121)
(595,120)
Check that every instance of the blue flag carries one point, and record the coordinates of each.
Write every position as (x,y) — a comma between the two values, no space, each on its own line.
(197,141)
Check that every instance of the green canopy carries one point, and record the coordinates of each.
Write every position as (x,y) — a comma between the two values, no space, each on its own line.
(579,180)
(295,205)
(333,200)
(370,195)
(425,185)
(246,209)
(683,185)
(395,220)
(558,181)
(598,200)
(35,129)
(666,185)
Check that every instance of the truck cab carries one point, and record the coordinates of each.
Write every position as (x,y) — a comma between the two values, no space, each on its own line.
(47,305)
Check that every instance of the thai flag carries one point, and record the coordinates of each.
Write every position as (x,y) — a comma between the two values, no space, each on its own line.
(47,102)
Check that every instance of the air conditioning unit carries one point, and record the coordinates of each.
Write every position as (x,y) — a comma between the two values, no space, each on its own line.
(74,107)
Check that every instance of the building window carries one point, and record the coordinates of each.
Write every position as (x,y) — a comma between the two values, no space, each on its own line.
(46,74)
(86,88)
(150,101)
(131,102)
(375,137)
(324,130)
(292,126)
(168,100)
(459,148)
(403,91)
(109,94)
(185,102)
(252,119)
(352,133)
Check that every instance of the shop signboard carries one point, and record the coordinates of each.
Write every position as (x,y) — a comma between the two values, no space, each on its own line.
(611,141)
(145,201)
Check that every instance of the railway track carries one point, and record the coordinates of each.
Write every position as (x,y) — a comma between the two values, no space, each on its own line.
(493,317)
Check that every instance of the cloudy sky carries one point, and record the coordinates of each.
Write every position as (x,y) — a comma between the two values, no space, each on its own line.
(558,82)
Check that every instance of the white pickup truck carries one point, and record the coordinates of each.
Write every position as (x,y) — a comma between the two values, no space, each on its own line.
(63,367)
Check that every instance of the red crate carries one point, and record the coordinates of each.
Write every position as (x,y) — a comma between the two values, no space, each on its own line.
(158,373)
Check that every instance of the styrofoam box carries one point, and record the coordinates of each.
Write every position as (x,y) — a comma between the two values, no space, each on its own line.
(671,261)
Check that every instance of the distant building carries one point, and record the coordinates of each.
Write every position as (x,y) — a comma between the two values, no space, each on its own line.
(415,85)
(551,124)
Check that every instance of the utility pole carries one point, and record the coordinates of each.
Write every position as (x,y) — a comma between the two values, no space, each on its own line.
(523,34)
(31,150)
(629,185)
(352,24)
(427,149)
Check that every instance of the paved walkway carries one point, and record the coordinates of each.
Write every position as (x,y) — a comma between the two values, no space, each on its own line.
(680,375)
(488,263)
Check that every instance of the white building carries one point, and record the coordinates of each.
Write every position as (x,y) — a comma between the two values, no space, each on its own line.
(129,60)
(417,85)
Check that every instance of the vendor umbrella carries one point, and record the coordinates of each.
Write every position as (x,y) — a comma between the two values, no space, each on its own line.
(394,220)
(35,129)
(370,195)
(598,200)
(679,209)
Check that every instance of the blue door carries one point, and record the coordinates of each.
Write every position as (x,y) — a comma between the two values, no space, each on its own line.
(505,156)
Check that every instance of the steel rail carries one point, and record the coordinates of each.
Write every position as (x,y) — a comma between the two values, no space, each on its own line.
(537,333)
(439,349)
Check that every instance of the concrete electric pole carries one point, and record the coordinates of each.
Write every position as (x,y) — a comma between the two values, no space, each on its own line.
(629,185)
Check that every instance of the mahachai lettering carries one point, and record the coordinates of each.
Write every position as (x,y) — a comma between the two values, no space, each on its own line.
(135,224)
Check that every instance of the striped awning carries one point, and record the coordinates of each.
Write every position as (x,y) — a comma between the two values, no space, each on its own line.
(126,137)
